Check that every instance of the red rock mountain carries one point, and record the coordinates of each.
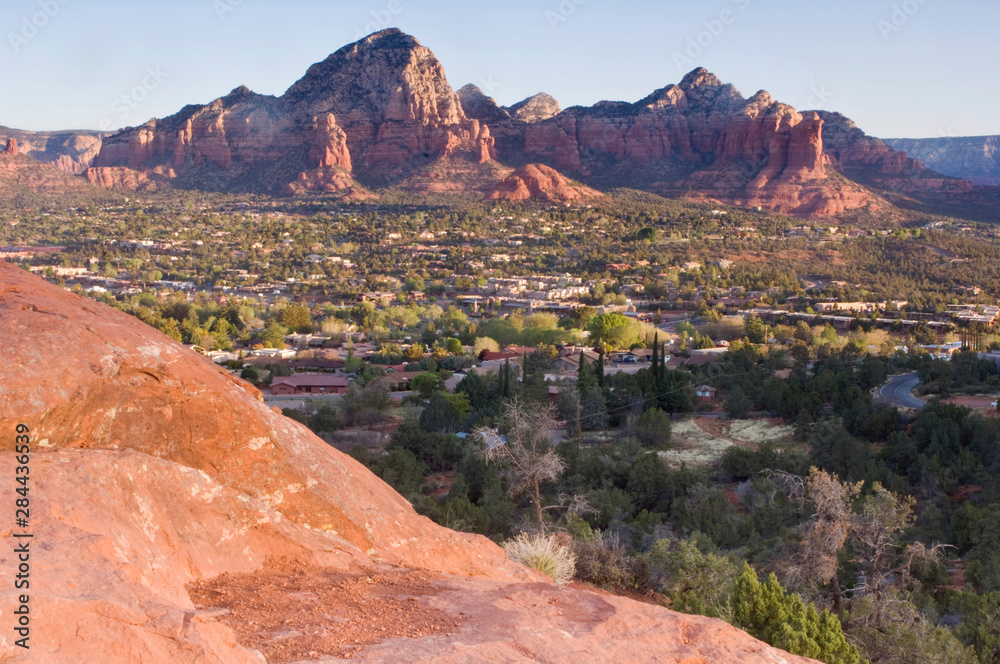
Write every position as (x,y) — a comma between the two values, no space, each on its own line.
(156,478)
(375,110)
(380,112)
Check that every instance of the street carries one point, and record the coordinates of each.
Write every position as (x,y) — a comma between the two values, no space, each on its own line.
(898,392)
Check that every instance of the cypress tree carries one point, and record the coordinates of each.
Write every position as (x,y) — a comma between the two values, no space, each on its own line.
(655,362)
(600,366)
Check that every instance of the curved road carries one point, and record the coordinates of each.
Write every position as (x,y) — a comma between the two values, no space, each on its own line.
(899,390)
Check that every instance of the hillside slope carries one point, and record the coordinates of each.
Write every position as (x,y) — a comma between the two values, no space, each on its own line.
(157,479)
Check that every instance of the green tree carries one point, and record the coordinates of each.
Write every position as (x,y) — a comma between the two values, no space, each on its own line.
(755,330)
(297,317)
(614,331)
(696,582)
(767,612)
(251,374)
(445,412)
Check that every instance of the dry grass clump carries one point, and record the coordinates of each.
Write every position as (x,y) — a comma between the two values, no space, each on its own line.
(543,552)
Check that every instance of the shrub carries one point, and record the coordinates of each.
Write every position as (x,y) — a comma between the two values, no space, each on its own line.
(542,552)
(652,428)
(603,561)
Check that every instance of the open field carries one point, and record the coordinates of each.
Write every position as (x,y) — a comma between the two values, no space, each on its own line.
(701,441)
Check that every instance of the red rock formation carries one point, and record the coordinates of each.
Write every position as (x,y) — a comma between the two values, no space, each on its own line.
(70,151)
(22,177)
(542,183)
(127,178)
(382,111)
(152,468)
(405,116)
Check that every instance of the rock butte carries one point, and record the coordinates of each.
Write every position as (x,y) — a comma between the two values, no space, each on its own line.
(152,469)
(539,182)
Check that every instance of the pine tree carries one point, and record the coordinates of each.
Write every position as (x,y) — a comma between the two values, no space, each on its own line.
(767,612)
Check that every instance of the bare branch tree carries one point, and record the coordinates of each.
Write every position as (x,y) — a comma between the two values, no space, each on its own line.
(525,452)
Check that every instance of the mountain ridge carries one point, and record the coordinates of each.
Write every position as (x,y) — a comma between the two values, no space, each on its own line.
(379,111)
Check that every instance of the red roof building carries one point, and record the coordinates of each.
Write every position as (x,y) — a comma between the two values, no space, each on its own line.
(309,384)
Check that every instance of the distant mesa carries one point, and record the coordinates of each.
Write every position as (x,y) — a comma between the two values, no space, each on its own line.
(974,158)
(70,151)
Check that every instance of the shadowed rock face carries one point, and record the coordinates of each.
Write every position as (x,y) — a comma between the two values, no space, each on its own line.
(152,469)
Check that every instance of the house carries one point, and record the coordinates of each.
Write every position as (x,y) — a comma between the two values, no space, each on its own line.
(316,364)
(309,384)
(570,362)
(705,393)
(493,356)
(398,381)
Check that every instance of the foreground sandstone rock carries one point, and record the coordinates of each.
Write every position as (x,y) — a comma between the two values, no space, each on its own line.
(153,470)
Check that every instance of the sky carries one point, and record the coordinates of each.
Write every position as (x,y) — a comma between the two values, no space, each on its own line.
(899,68)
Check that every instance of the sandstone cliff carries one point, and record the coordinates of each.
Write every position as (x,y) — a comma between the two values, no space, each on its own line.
(156,480)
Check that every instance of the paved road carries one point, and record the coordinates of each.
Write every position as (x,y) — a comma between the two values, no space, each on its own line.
(898,391)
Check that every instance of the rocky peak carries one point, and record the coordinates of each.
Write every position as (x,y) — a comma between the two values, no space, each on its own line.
(536,108)
(239,94)
(699,78)
(387,76)
(11,148)
(476,104)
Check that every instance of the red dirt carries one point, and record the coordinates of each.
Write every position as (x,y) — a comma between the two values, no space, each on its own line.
(713,427)
(293,612)
(980,404)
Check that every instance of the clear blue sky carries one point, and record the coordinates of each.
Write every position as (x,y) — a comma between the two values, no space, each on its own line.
(913,68)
